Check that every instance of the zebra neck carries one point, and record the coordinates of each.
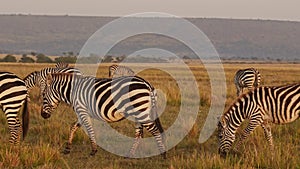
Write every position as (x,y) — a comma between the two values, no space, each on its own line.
(67,90)
(31,81)
(238,112)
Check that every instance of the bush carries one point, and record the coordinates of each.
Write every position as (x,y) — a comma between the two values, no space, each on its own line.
(9,58)
(66,59)
(26,59)
(41,58)
(89,59)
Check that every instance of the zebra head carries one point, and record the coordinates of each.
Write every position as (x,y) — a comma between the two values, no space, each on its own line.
(225,137)
(51,98)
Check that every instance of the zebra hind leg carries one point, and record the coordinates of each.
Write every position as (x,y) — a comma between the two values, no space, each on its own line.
(19,130)
(15,129)
(86,122)
(73,129)
(138,135)
(157,131)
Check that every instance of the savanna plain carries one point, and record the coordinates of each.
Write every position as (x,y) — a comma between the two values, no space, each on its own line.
(43,146)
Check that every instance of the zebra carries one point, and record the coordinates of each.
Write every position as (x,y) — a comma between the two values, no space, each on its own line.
(61,65)
(13,94)
(38,78)
(262,106)
(110,100)
(246,78)
(118,70)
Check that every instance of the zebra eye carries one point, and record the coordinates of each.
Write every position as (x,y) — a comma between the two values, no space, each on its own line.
(220,136)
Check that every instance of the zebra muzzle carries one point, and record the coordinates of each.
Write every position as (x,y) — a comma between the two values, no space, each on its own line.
(222,154)
(45,115)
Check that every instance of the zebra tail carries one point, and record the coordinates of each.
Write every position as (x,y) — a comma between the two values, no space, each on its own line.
(25,118)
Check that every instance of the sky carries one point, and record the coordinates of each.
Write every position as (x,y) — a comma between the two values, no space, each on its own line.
(236,9)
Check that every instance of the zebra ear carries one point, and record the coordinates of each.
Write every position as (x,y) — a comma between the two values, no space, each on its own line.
(49,79)
(222,121)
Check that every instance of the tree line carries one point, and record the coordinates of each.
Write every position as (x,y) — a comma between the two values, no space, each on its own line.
(41,58)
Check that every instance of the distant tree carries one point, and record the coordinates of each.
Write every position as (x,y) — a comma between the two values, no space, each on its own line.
(41,58)
(26,59)
(107,59)
(121,58)
(9,58)
(66,59)
(70,53)
(33,53)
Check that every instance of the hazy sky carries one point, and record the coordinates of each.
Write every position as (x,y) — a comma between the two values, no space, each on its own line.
(250,9)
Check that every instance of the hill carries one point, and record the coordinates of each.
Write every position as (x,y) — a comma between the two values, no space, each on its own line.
(233,39)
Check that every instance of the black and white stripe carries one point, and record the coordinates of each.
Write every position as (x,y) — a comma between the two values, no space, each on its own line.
(61,65)
(262,106)
(246,78)
(38,78)
(110,100)
(13,94)
(118,71)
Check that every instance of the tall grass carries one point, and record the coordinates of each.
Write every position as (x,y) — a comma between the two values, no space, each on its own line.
(46,138)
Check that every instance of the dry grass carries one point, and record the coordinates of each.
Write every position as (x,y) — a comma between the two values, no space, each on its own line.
(45,141)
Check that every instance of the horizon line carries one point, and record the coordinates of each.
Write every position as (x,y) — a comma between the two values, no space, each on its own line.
(117,16)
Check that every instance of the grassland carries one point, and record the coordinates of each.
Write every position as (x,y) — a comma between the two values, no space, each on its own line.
(45,141)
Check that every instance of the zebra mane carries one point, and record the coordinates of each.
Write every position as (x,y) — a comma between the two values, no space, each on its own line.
(32,77)
(239,100)
(31,74)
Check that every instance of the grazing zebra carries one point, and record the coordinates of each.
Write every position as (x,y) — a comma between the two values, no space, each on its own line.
(246,78)
(13,94)
(61,65)
(110,100)
(38,78)
(118,71)
(262,106)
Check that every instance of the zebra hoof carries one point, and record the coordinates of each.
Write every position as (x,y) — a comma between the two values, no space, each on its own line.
(223,155)
(164,155)
(93,152)
(236,153)
(67,151)
(128,156)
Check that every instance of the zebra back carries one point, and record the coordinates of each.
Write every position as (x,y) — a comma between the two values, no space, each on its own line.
(119,70)
(281,104)
(246,78)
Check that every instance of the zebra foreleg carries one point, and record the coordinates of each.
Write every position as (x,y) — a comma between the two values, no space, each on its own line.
(138,135)
(73,129)
(238,90)
(246,132)
(268,135)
